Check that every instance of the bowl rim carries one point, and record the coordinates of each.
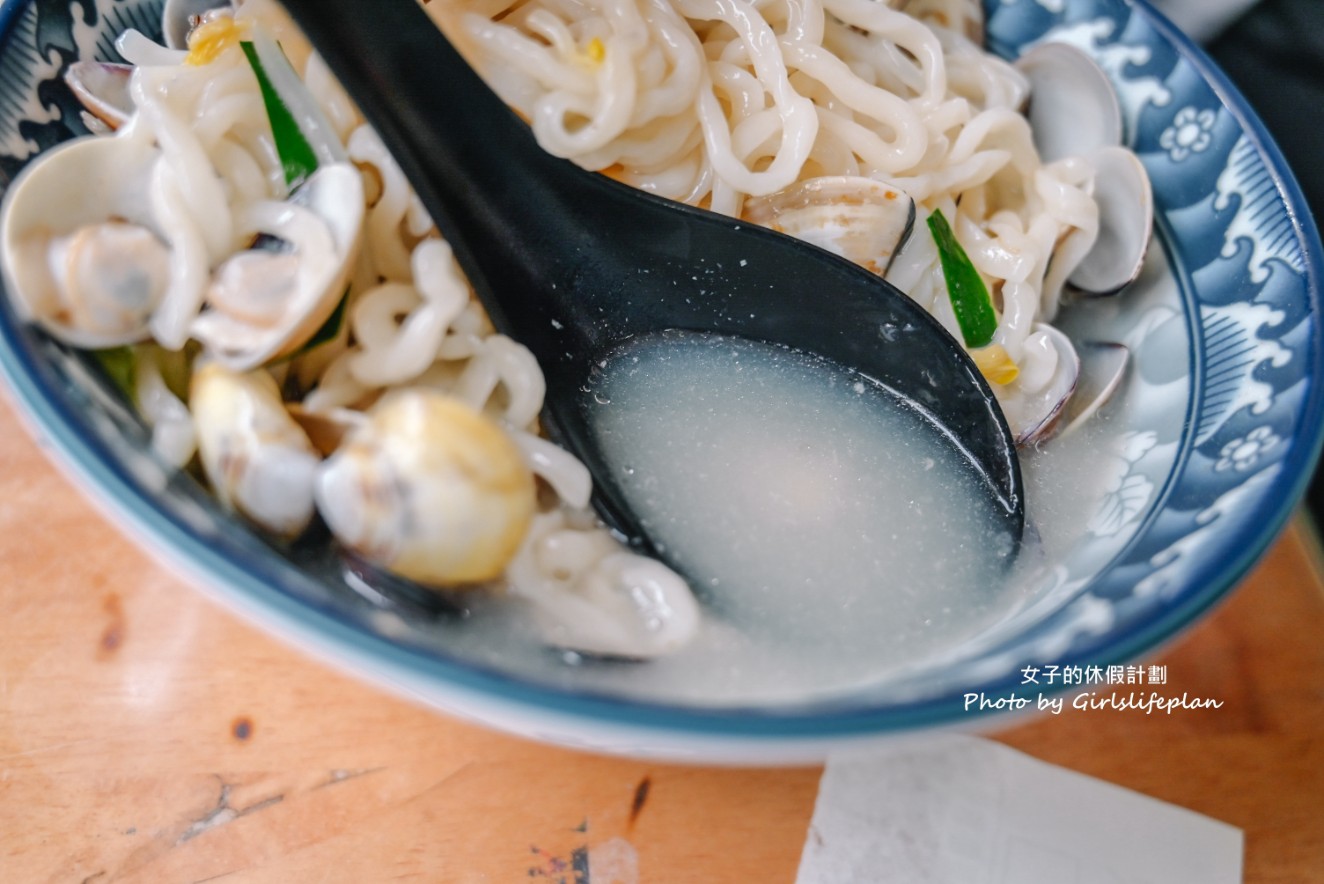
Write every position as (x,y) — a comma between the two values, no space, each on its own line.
(573,715)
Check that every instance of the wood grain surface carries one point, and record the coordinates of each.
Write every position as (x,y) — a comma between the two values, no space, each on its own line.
(147,736)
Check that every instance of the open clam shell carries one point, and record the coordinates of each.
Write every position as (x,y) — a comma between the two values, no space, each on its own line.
(1085,378)
(1073,108)
(265,303)
(1033,415)
(861,219)
(1074,112)
(1102,367)
(83,256)
(102,88)
(1126,222)
(178,18)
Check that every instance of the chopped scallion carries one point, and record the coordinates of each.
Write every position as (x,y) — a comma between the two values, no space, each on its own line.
(970,299)
(120,365)
(297,156)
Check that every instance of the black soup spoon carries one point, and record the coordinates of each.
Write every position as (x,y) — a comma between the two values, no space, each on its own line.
(571,263)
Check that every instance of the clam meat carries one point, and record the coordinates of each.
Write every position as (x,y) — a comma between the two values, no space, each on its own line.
(1049,369)
(83,255)
(264,302)
(861,219)
(430,489)
(257,459)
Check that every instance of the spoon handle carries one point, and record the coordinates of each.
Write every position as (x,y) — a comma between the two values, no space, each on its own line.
(473,162)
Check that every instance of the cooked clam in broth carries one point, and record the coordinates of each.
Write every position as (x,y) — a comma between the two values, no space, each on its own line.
(305,344)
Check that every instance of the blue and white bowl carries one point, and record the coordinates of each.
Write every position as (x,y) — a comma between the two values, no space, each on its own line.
(1209,446)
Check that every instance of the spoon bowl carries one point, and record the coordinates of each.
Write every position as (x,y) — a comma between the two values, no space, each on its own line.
(571,263)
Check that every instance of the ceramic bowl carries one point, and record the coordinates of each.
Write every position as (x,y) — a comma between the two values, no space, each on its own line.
(1194,471)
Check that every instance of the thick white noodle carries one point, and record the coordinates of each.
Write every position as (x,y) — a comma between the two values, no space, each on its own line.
(398,327)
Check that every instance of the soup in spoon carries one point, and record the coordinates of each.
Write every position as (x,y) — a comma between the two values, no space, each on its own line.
(799,497)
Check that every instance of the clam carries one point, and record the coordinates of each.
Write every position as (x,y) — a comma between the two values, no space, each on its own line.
(429,489)
(1126,219)
(179,17)
(267,301)
(258,460)
(1073,108)
(102,88)
(83,256)
(1083,378)
(1074,112)
(861,219)
(1050,369)
(1102,367)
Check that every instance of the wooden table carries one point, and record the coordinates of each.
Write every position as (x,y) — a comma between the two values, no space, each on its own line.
(146,736)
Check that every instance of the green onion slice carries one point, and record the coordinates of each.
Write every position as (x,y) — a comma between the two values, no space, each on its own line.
(970,299)
(303,135)
(120,365)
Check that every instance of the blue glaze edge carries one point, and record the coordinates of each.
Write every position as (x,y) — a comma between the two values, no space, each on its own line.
(320,625)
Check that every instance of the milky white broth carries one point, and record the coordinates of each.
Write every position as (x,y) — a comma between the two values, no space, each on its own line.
(804,502)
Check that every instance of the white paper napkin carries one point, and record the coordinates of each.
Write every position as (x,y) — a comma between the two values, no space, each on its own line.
(962,810)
